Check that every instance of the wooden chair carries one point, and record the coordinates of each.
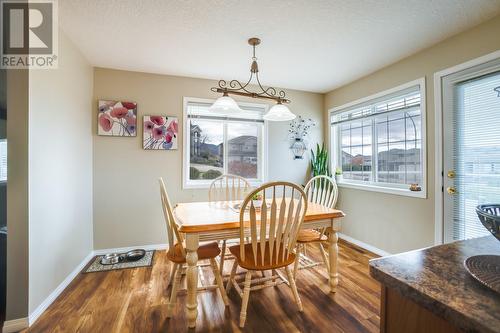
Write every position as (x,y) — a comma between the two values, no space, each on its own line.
(321,190)
(227,188)
(272,231)
(176,253)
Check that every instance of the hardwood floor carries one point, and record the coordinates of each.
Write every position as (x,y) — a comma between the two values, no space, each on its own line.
(134,300)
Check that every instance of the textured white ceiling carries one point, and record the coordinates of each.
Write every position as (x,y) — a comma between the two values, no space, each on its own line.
(308,45)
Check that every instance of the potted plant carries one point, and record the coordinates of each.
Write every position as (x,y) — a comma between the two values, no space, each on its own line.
(338,175)
(257,200)
(319,162)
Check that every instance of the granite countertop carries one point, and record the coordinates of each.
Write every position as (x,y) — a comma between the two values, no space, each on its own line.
(436,279)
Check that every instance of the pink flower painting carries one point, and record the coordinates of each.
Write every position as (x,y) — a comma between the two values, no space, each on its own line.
(160,132)
(117,118)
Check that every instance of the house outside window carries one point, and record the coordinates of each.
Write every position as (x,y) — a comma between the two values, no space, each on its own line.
(378,142)
(220,144)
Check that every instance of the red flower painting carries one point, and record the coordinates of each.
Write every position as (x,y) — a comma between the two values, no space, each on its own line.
(160,132)
(117,118)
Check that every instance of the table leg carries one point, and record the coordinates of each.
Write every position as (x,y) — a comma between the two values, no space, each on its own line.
(333,252)
(192,278)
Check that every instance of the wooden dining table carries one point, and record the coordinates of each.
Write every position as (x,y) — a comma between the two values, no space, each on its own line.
(215,221)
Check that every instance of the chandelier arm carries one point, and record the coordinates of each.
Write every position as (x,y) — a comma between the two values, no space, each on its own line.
(270,91)
(234,83)
(235,87)
(265,91)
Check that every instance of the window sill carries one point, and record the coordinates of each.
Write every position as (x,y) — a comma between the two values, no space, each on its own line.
(390,190)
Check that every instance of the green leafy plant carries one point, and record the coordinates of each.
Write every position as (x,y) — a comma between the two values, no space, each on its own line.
(194,173)
(338,171)
(211,174)
(257,196)
(319,161)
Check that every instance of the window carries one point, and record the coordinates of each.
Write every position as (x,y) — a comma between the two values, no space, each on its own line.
(217,144)
(377,142)
(3,160)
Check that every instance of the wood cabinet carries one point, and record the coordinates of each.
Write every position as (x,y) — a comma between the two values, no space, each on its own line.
(399,314)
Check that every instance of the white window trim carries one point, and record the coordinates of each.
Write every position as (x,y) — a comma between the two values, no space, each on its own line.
(203,184)
(377,187)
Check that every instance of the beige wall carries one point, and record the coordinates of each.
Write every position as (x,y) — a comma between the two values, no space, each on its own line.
(390,222)
(60,171)
(127,208)
(17,194)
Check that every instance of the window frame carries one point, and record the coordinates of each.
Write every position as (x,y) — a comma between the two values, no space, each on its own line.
(334,142)
(4,181)
(204,184)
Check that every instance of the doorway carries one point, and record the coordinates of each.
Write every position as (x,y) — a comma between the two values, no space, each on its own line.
(470,169)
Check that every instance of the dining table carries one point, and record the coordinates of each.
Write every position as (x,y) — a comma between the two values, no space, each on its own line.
(217,221)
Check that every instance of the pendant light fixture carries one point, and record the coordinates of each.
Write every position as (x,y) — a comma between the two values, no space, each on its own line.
(279,112)
(225,104)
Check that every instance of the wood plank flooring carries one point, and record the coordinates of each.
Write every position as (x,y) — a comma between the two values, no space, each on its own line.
(134,300)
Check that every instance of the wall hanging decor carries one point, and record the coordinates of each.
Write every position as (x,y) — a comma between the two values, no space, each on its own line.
(117,118)
(160,132)
(298,134)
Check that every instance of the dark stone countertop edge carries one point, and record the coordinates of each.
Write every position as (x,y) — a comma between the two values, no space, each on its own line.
(458,319)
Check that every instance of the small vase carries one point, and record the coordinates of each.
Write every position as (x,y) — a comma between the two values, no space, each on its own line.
(339,178)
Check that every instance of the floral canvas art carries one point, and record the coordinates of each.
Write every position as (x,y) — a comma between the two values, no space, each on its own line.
(160,132)
(117,118)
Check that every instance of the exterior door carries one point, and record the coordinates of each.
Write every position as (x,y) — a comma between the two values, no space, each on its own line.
(471,148)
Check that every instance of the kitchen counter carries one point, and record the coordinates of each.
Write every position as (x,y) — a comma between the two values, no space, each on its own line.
(432,283)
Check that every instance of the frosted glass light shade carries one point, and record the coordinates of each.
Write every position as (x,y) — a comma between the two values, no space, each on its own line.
(279,112)
(225,104)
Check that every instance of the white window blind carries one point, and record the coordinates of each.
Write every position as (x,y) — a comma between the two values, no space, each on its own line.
(3,160)
(379,142)
(476,153)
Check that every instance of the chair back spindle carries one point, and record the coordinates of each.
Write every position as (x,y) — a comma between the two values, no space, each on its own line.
(272,224)
(228,188)
(322,190)
(173,234)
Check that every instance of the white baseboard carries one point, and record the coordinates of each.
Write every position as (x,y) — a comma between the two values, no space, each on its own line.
(60,288)
(128,248)
(15,325)
(365,246)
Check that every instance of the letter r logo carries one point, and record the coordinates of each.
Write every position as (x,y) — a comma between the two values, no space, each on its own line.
(27,27)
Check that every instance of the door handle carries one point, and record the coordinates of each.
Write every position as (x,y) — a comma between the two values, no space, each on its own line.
(451,174)
(451,190)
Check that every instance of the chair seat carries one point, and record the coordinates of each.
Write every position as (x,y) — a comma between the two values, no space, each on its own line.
(250,264)
(310,236)
(205,251)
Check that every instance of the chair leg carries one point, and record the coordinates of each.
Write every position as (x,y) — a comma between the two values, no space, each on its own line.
(323,254)
(222,256)
(172,274)
(297,259)
(173,295)
(218,278)
(231,277)
(293,286)
(244,301)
